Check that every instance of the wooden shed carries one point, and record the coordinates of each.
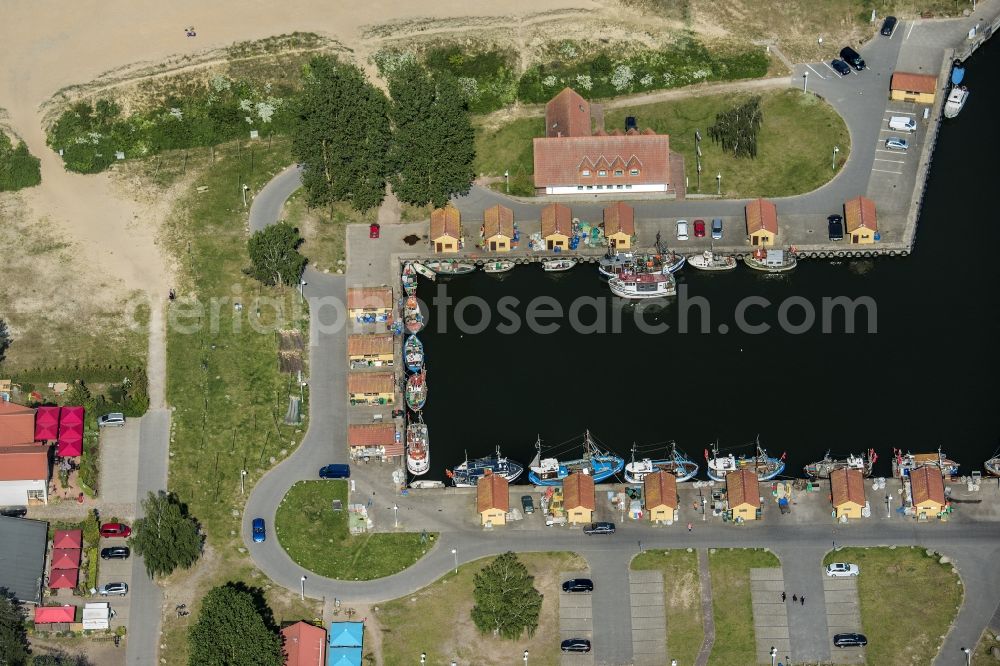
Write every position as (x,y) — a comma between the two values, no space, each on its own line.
(579,500)
(364,351)
(860,220)
(847,492)
(446,229)
(927,491)
(498,228)
(762,222)
(743,494)
(619,225)
(371,388)
(493,499)
(660,495)
(557,226)
(908,87)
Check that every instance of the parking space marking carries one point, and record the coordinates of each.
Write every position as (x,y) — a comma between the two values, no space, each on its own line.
(829,67)
(910,30)
(894,112)
(896,173)
(815,72)
(879,159)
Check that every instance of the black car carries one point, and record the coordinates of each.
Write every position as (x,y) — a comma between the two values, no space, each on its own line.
(14,511)
(842,67)
(835,227)
(600,528)
(575,645)
(115,553)
(888,26)
(850,640)
(852,58)
(578,585)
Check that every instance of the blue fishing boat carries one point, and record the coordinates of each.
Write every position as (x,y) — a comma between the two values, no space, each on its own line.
(467,474)
(766,467)
(413,353)
(675,463)
(599,464)
(957,72)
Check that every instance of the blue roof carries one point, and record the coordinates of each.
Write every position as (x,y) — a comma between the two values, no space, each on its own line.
(347,634)
(343,656)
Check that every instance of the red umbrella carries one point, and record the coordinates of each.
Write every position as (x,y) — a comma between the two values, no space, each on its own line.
(67,539)
(46,423)
(66,558)
(63,578)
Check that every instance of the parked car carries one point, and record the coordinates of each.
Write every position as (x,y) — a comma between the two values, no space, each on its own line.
(600,528)
(682,230)
(888,26)
(699,228)
(575,645)
(259,533)
(374,230)
(717,229)
(578,585)
(527,504)
(335,472)
(119,589)
(110,530)
(835,227)
(902,124)
(842,569)
(896,143)
(849,640)
(112,420)
(14,511)
(852,58)
(115,553)
(842,67)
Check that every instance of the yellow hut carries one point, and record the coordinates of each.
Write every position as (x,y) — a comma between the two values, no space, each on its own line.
(927,491)
(907,87)
(847,492)
(365,351)
(860,220)
(557,226)
(579,500)
(762,222)
(371,388)
(493,499)
(375,301)
(446,229)
(619,226)
(498,228)
(743,494)
(660,496)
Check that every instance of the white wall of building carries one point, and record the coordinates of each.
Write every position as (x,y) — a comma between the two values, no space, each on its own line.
(610,189)
(15,493)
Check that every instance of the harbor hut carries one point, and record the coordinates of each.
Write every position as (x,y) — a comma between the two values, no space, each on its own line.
(371,388)
(446,229)
(557,226)
(370,351)
(498,228)
(927,491)
(860,220)
(909,87)
(492,499)
(743,495)
(660,494)
(847,492)
(369,303)
(619,225)
(373,441)
(579,500)
(762,222)
(304,644)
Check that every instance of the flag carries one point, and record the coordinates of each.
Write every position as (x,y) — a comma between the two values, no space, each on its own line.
(706,454)
(784,455)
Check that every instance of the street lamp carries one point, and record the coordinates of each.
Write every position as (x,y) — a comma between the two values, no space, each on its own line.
(673,662)
(302,287)
(968,656)
(395,515)
(774,653)
(423,657)
(888,513)
(525,658)
(245,188)
(836,149)
(506,176)
(302,590)
(718,180)
(243,475)
(805,81)
(454,552)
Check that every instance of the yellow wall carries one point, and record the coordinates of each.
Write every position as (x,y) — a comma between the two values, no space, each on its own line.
(762,237)
(502,243)
(849,509)
(862,236)
(580,515)
(662,512)
(557,240)
(919,98)
(495,516)
(930,508)
(385,358)
(373,399)
(622,240)
(745,511)
(445,244)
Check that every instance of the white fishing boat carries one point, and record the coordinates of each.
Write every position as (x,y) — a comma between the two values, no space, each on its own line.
(423,270)
(418,453)
(421,484)
(771,261)
(409,279)
(498,266)
(451,267)
(709,261)
(553,265)
(643,285)
(956,100)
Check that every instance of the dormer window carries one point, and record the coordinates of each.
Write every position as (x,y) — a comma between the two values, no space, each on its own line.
(633,172)
(619,172)
(586,172)
(602,173)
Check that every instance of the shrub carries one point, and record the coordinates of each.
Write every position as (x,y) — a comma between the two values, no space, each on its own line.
(18,167)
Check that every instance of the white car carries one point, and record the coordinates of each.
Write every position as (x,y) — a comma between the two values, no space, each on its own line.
(838,569)
(682,230)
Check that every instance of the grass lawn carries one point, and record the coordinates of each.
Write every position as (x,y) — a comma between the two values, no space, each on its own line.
(919,594)
(508,147)
(317,537)
(731,605)
(324,236)
(682,595)
(437,619)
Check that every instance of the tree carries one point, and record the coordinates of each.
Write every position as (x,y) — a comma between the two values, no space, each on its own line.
(737,128)
(274,258)
(14,648)
(4,340)
(166,536)
(234,628)
(60,658)
(433,140)
(507,602)
(341,135)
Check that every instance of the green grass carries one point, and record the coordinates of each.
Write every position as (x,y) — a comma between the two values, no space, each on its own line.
(508,147)
(921,595)
(437,620)
(317,537)
(731,604)
(325,236)
(682,597)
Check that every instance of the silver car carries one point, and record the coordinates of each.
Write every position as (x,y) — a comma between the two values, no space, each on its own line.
(109,589)
(896,143)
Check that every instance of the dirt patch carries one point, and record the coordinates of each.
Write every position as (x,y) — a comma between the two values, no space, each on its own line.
(289,340)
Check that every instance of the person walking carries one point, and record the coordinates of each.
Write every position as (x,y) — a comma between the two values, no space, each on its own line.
(795,598)
(690,527)
(783,597)
(802,601)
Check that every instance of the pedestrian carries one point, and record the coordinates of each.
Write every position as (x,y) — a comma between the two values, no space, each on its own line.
(795,598)
(690,527)
(802,601)
(783,597)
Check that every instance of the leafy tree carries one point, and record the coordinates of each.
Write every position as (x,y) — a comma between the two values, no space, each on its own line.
(234,628)
(18,167)
(737,128)
(341,136)
(4,340)
(14,648)
(507,602)
(166,536)
(433,140)
(274,258)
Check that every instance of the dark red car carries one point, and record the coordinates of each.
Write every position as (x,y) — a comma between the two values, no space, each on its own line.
(115,530)
(374,230)
(699,228)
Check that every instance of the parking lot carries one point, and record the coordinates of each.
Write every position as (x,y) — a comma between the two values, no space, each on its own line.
(576,618)
(115,571)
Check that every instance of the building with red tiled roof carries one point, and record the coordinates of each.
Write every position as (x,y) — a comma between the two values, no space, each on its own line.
(373,440)
(498,228)
(570,159)
(493,499)
(305,644)
(557,226)
(371,350)
(446,229)
(847,492)
(369,300)
(860,220)
(371,388)
(17,424)
(927,491)
(579,499)
(660,495)
(908,87)
(619,225)
(743,494)
(24,475)
(762,222)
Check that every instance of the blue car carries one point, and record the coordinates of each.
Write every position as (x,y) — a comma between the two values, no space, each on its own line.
(258,530)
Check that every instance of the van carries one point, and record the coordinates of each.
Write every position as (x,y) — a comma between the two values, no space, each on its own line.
(851,57)
(335,472)
(717,229)
(902,124)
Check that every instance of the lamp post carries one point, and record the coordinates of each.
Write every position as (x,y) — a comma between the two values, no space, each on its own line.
(525,658)
(506,177)
(454,552)
(836,149)
(302,289)
(888,513)
(805,81)
(968,656)
(774,653)
(718,180)
(673,662)
(302,589)
(244,189)
(243,475)
(423,657)
(395,515)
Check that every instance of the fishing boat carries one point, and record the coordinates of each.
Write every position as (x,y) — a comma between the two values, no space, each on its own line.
(957,72)
(413,318)
(423,270)
(709,261)
(409,279)
(904,463)
(416,390)
(765,466)
(636,286)
(424,484)
(555,265)
(599,464)
(498,266)
(822,469)
(451,267)
(956,100)
(771,261)
(610,265)
(675,463)
(671,261)
(467,474)
(992,466)
(418,451)
(413,353)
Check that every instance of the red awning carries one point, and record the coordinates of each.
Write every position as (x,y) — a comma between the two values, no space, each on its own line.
(63,578)
(71,432)
(71,416)
(46,424)
(54,614)
(67,539)
(65,558)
